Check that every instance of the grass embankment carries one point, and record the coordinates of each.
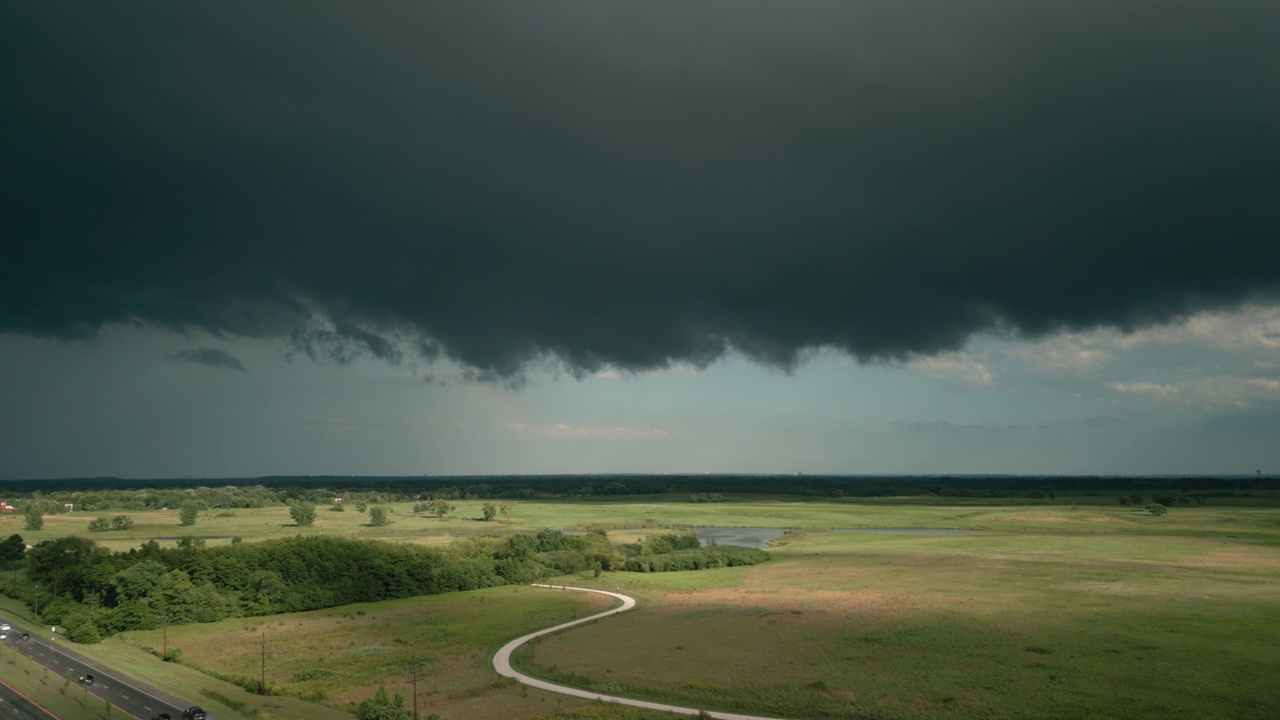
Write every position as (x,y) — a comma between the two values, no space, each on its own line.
(341,655)
(1096,612)
(62,698)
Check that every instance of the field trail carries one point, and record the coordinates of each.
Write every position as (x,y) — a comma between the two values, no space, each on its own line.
(502,663)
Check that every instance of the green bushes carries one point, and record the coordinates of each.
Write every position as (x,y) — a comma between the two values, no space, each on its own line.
(383,707)
(119,522)
(302,512)
(662,544)
(700,559)
(101,593)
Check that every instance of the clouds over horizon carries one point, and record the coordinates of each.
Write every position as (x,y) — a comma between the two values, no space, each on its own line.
(639,185)
(565,431)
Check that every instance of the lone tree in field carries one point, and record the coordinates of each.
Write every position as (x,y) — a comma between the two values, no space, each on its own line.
(1157,509)
(489,512)
(121,522)
(303,513)
(34,516)
(187,514)
(506,510)
(441,507)
(378,516)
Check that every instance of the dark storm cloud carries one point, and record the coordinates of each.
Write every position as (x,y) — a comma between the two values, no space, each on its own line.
(209,357)
(635,183)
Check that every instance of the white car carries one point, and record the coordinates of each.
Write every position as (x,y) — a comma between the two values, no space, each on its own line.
(4,627)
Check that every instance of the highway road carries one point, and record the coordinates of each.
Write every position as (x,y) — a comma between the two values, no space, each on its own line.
(131,696)
(13,706)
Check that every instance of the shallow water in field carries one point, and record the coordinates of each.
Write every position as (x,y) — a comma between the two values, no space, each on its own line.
(760,537)
(744,536)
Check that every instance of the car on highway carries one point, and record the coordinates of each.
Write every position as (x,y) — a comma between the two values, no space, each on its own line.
(86,680)
(24,636)
(194,713)
(161,716)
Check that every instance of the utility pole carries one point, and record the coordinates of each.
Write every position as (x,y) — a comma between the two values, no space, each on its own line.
(262,686)
(165,618)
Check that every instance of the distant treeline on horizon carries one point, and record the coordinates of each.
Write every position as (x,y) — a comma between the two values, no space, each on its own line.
(551,486)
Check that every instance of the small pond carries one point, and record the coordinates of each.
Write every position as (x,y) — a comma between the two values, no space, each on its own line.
(744,536)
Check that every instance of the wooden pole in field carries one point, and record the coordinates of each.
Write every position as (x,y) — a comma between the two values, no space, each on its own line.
(262,686)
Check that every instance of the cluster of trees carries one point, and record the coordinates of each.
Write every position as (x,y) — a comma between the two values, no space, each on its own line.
(119,522)
(95,593)
(669,553)
(706,498)
(699,559)
(1164,499)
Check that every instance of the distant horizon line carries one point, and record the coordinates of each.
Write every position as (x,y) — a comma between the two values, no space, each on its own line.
(193,478)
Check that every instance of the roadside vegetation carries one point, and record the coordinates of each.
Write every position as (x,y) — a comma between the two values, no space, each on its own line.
(95,593)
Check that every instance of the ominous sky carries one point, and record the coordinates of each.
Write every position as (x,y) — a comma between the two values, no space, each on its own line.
(240,238)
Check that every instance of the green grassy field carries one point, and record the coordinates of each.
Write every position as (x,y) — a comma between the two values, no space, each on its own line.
(1094,612)
(1073,607)
(635,513)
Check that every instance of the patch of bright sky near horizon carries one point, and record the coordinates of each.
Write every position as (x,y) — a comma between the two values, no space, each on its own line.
(1202,396)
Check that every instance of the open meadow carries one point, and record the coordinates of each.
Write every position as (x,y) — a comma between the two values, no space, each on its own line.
(1066,607)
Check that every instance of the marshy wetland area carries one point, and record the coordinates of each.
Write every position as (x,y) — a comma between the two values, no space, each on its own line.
(1050,607)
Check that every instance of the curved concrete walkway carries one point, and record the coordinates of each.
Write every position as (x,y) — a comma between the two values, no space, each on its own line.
(502,663)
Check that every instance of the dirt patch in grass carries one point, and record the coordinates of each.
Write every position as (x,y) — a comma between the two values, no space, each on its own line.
(1237,559)
(791,600)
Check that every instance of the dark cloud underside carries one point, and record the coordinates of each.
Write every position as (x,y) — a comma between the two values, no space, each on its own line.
(210,357)
(635,183)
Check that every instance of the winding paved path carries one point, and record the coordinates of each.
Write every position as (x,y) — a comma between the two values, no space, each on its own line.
(502,663)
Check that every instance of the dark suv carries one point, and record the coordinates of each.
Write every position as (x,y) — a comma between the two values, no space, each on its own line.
(194,713)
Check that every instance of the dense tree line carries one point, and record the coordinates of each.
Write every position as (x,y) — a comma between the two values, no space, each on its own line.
(94,593)
(101,494)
